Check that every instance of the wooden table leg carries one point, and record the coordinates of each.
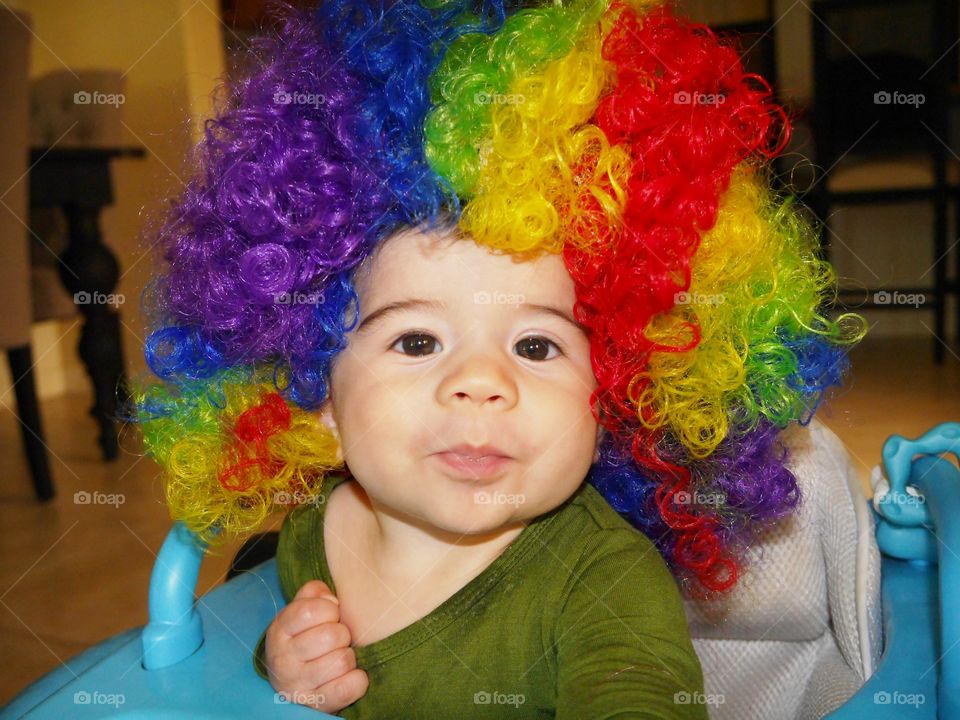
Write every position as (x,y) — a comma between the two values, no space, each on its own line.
(90,272)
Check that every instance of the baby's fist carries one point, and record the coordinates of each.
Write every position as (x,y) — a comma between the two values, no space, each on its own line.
(308,654)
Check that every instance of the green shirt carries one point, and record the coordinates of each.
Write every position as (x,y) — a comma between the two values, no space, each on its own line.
(578,618)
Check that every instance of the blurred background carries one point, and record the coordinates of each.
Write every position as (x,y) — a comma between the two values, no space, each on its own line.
(102,100)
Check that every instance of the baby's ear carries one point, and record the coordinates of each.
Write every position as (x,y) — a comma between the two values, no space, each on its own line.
(601,433)
(325,415)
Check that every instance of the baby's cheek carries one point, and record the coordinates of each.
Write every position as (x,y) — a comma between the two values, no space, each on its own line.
(575,424)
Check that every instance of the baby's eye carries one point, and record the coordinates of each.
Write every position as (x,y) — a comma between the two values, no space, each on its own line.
(415,343)
(537,347)
(533,347)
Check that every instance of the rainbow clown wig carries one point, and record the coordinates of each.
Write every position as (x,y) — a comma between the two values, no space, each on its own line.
(627,139)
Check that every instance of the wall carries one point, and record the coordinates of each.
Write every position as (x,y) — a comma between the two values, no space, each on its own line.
(171,52)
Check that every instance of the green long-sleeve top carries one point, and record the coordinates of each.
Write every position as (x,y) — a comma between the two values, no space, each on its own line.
(578,618)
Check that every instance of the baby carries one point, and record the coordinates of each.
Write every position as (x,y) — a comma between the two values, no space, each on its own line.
(466,564)
(500,293)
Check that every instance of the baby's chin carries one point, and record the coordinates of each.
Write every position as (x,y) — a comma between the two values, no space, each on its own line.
(481,518)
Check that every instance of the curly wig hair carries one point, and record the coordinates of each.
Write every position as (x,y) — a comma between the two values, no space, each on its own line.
(617,134)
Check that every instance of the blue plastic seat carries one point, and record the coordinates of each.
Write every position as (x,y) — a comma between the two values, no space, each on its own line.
(199,653)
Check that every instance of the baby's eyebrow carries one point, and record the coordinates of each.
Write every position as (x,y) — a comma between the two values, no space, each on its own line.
(549,309)
(381,313)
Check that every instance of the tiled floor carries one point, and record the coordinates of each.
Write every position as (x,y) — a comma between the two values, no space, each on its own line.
(73,574)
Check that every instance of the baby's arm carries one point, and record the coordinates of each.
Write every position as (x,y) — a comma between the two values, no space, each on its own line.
(308,658)
(623,647)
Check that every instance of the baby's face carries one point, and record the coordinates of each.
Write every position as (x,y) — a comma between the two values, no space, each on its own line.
(483,364)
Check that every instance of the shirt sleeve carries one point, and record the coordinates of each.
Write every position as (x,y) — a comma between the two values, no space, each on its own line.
(623,645)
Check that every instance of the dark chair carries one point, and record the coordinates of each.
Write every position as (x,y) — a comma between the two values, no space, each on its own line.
(756,40)
(883,72)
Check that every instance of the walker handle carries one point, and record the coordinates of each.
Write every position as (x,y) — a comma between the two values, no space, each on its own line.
(174,631)
(939,514)
(898,506)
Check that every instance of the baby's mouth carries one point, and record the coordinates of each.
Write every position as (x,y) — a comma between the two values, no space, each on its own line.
(472,466)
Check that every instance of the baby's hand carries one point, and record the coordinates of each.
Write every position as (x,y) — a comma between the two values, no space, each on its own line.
(308,654)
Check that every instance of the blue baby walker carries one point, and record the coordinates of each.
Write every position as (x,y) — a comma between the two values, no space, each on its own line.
(194,657)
